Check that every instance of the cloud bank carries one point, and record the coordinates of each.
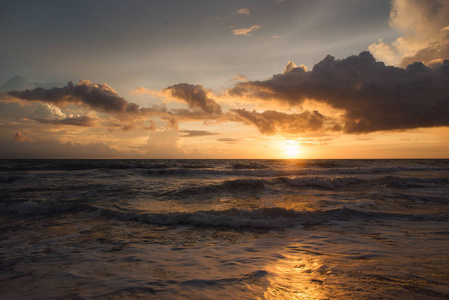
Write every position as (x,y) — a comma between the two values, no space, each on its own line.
(374,97)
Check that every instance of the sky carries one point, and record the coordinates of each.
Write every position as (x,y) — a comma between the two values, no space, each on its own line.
(224,79)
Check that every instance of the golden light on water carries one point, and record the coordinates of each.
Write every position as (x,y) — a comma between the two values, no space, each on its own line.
(292,149)
(297,277)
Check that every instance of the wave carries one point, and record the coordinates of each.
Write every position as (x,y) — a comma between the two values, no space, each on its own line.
(326,164)
(10,178)
(253,277)
(249,166)
(255,186)
(43,207)
(412,182)
(238,186)
(328,183)
(262,218)
(259,218)
(253,171)
(240,168)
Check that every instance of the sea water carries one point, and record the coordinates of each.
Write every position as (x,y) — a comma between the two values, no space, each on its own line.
(214,229)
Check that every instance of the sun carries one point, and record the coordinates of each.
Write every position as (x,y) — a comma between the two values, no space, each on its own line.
(292,149)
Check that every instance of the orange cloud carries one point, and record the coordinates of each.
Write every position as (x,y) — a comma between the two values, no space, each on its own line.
(246,31)
(141,90)
(244,11)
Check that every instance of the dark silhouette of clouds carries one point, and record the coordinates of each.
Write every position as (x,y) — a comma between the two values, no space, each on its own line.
(195,95)
(271,122)
(77,121)
(374,97)
(100,97)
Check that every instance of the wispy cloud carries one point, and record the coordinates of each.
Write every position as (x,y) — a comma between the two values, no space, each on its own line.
(239,77)
(19,137)
(246,31)
(244,11)
(229,140)
(196,133)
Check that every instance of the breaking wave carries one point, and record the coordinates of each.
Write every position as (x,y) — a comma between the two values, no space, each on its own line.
(260,218)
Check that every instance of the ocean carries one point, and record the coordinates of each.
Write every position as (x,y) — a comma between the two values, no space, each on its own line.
(217,229)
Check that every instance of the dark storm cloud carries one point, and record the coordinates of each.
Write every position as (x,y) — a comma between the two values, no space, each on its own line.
(195,96)
(100,97)
(374,97)
(195,133)
(271,122)
(78,121)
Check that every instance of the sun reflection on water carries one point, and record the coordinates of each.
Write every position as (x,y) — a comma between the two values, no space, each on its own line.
(297,277)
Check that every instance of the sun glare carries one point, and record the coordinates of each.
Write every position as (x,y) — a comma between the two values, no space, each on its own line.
(292,149)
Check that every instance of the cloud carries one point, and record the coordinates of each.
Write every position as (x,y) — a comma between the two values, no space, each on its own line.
(195,133)
(163,144)
(230,140)
(151,126)
(51,148)
(374,97)
(246,31)
(19,137)
(239,77)
(271,122)
(244,11)
(425,35)
(141,90)
(292,67)
(100,97)
(194,95)
(77,121)
(43,105)
(47,111)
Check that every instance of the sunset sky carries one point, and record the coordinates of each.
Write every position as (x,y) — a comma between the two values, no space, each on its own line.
(224,79)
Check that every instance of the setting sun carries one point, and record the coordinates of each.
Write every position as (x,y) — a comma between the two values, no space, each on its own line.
(292,149)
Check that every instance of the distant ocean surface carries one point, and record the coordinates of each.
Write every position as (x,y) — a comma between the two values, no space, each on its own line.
(214,229)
